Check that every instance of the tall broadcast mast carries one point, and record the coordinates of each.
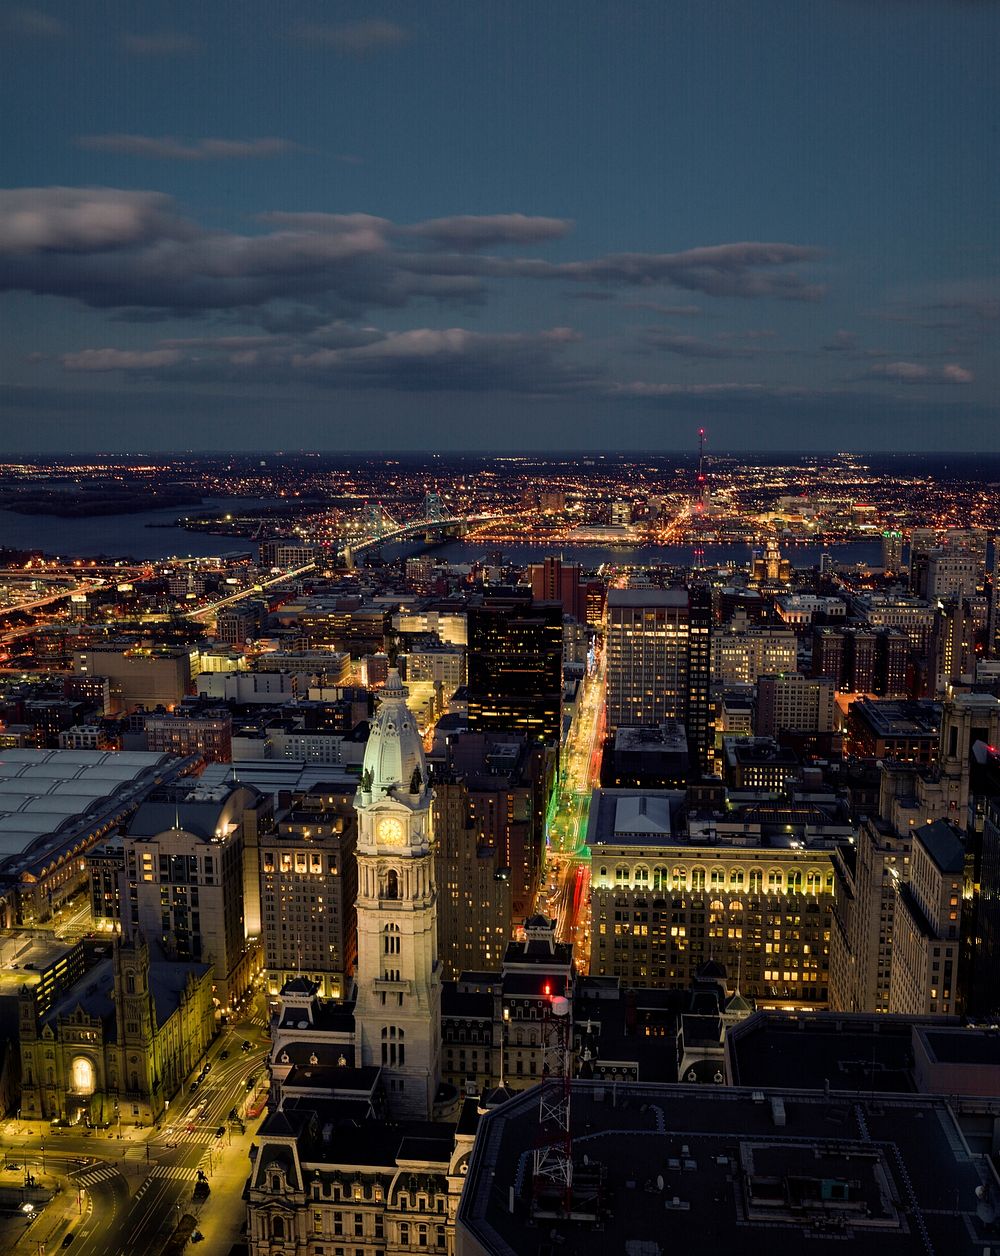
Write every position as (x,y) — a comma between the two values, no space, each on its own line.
(701,500)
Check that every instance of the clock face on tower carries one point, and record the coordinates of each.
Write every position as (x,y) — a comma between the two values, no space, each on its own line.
(390,831)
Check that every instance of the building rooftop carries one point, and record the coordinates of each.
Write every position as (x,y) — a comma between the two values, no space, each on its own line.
(851,1053)
(635,817)
(48,796)
(669,737)
(888,718)
(954,1045)
(944,845)
(726,1170)
(647,597)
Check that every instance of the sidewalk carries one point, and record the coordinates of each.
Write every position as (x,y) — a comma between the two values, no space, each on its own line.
(59,1215)
(221,1216)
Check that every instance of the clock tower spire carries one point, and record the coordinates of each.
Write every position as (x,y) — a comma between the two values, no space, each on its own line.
(398,980)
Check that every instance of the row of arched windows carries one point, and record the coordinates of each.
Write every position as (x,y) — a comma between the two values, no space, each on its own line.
(679,877)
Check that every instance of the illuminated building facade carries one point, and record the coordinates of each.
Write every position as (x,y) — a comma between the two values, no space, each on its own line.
(308,883)
(662,904)
(118,1044)
(659,662)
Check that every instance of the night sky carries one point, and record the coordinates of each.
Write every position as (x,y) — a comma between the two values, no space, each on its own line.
(279,224)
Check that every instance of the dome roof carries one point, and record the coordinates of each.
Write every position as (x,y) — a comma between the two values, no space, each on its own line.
(394,747)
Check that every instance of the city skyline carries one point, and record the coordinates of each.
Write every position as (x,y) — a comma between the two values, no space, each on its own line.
(498,228)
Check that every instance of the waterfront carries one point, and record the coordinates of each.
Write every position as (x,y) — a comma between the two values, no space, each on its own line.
(124,536)
(592,556)
(130,536)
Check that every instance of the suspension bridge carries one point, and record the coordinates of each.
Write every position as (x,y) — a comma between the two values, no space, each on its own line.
(377,527)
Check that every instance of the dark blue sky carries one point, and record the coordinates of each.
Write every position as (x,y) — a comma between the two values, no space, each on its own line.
(469,225)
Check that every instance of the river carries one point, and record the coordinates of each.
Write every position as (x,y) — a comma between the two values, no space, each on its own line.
(127,536)
(590,556)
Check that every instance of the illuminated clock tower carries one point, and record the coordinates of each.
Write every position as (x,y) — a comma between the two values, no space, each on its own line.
(398,978)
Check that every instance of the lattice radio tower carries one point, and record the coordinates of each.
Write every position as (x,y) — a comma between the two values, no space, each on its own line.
(552,1180)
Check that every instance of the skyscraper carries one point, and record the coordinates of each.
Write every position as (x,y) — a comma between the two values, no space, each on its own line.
(515,667)
(659,659)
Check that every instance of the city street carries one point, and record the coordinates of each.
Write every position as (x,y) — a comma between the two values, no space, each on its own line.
(124,1189)
(566,891)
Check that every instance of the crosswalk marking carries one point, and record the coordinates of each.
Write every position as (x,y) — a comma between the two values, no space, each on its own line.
(101,1174)
(176,1173)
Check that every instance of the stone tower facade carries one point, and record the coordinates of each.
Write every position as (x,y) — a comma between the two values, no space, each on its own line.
(398,979)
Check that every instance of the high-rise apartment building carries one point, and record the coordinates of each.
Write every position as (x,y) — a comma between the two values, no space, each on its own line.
(793,703)
(515,667)
(308,884)
(184,880)
(860,659)
(664,902)
(659,661)
(925,946)
(739,657)
(950,573)
(864,917)
(491,794)
(206,733)
(553,580)
(892,551)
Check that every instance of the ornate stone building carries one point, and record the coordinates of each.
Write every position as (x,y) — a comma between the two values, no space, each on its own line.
(118,1043)
(352,1160)
(397,1012)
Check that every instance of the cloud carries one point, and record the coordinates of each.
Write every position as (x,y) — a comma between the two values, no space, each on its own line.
(647,389)
(425,359)
(167,148)
(85,220)
(355,39)
(744,269)
(161,44)
(842,342)
(134,250)
(688,346)
(466,231)
(667,311)
(454,359)
(119,359)
(33,23)
(921,373)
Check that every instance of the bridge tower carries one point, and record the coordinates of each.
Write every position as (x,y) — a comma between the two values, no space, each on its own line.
(373,521)
(434,507)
